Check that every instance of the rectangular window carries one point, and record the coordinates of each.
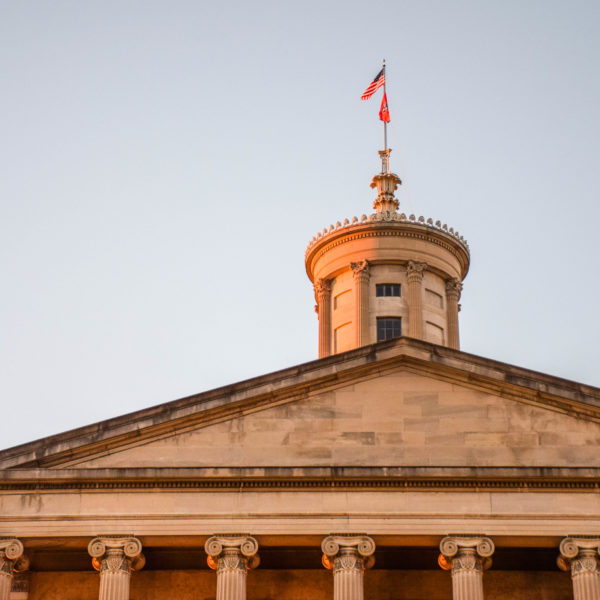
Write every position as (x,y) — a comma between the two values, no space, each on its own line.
(388,328)
(387,289)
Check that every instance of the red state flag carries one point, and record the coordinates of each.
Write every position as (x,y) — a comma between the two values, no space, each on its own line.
(384,113)
(374,85)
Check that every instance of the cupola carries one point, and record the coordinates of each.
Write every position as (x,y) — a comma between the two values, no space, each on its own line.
(386,275)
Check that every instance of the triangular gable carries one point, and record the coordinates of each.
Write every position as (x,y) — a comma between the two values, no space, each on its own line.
(404,402)
(397,419)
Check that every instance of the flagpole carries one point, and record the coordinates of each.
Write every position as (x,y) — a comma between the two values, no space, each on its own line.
(385,122)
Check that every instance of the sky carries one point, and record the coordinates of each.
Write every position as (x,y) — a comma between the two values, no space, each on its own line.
(163,166)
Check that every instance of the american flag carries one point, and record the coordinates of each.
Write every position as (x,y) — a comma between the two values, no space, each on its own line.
(374,85)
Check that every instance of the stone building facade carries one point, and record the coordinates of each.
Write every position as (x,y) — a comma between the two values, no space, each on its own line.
(401,469)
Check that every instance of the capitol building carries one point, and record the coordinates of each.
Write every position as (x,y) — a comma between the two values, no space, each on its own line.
(395,466)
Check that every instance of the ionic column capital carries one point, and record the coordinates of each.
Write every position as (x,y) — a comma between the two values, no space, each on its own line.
(348,553)
(322,289)
(116,554)
(12,557)
(232,553)
(453,288)
(579,555)
(360,270)
(463,553)
(414,271)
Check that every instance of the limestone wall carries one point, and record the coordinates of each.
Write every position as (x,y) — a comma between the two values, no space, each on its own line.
(399,419)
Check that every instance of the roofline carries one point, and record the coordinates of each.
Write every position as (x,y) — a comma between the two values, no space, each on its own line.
(307,378)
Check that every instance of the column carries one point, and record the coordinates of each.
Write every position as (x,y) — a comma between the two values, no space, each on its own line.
(414,275)
(581,556)
(360,271)
(323,295)
(231,557)
(115,558)
(348,557)
(11,560)
(20,587)
(453,289)
(467,557)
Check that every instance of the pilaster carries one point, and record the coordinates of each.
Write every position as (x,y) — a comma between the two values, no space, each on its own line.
(414,275)
(360,271)
(231,557)
(115,558)
(453,290)
(323,295)
(581,556)
(467,558)
(348,557)
(11,560)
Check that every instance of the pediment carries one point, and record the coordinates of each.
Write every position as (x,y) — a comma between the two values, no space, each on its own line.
(398,419)
(400,404)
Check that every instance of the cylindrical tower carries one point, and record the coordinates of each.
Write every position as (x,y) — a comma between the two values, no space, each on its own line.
(386,275)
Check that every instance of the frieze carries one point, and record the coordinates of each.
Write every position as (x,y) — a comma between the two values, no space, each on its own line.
(422,483)
(425,236)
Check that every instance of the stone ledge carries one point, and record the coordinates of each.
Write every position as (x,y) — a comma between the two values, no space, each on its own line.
(474,478)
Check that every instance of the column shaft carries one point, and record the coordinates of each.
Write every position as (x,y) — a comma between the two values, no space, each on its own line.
(586,586)
(348,584)
(360,270)
(467,585)
(231,584)
(114,585)
(323,293)
(20,587)
(6,580)
(414,273)
(453,289)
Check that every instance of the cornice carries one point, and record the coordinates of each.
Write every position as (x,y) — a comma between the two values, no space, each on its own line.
(399,227)
(305,478)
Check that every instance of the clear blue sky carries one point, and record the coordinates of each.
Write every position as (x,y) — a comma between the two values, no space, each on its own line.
(164,164)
